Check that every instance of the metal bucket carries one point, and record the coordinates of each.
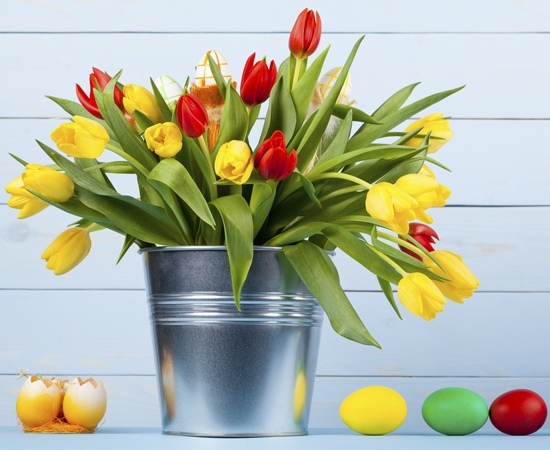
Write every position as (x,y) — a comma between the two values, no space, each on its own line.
(224,372)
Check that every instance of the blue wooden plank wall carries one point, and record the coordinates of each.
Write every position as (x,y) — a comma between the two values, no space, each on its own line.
(94,320)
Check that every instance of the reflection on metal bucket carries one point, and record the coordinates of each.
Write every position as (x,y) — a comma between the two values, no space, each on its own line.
(224,372)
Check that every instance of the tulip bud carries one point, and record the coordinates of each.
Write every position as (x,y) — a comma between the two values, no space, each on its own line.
(420,295)
(234,162)
(191,115)
(164,139)
(85,402)
(98,80)
(137,97)
(67,250)
(306,34)
(424,235)
(439,128)
(49,182)
(272,160)
(257,81)
(392,206)
(38,401)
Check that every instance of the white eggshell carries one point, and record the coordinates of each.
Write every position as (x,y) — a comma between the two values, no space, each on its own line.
(169,88)
(38,402)
(85,402)
(327,81)
(203,74)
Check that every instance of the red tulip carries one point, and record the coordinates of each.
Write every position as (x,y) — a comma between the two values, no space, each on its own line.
(98,80)
(424,235)
(272,160)
(257,80)
(306,34)
(191,115)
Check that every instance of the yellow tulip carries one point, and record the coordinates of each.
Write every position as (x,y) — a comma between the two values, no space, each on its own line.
(234,162)
(420,295)
(426,191)
(462,282)
(437,125)
(49,182)
(21,199)
(164,139)
(67,250)
(137,97)
(391,206)
(82,138)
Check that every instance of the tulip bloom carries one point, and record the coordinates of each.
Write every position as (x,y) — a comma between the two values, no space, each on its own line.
(462,282)
(191,115)
(164,139)
(98,80)
(420,295)
(49,182)
(305,35)
(82,138)
(272,159)
(424,235)
(234,162)
(67,250)
(137,97)
(426,191)
(391,206)
(257,81)
(439,128)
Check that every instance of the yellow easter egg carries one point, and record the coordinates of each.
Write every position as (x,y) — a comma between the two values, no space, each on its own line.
(374,410)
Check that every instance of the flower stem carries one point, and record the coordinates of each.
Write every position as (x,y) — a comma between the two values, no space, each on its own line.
(296,76)
(134,162)
(390,261)
(343,176)
(211,175)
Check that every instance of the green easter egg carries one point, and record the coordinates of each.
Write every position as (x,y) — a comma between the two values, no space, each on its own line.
(455,411)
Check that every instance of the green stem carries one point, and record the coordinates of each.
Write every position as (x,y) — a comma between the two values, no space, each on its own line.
(210,183)
(296,76)
(390,261)
(134,162)
(343,176)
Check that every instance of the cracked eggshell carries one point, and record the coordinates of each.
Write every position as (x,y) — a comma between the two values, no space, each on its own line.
(203,74)
(85,402)
(38,401)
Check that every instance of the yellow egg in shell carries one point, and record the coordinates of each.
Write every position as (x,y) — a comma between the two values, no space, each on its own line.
(326,83)
(203,74)
(38,401)
(85,402)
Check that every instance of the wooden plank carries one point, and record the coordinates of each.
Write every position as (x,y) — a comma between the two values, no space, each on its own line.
(485,169)
(108,332)
(397,16)
(504,247)
(384,64)
(133,401)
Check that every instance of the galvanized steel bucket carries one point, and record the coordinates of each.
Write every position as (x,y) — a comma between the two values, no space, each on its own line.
(224,372)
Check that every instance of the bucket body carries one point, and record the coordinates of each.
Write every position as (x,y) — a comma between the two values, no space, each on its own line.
(225,372)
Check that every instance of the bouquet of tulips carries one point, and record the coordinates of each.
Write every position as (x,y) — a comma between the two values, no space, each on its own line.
(322,175)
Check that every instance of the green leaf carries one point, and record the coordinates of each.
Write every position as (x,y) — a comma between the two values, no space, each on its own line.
(340,110)
(302,93)
(234,120)
(142,120)
(309,189)
(145,222)
(261,201)
(92,167)
(338,145)
(370,133)
(175,176)
(126,135)
(310,140)
(318,274)
(128,241)
(297,233)
(218,76)
(165,111)
(238,229)
(19,160)
(388,292)
(281,112)
(395,102)
(361,252)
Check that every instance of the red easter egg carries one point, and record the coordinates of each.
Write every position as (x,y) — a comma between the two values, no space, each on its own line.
(518,412)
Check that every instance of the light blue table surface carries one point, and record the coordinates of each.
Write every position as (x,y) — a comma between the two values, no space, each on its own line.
(318,439)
